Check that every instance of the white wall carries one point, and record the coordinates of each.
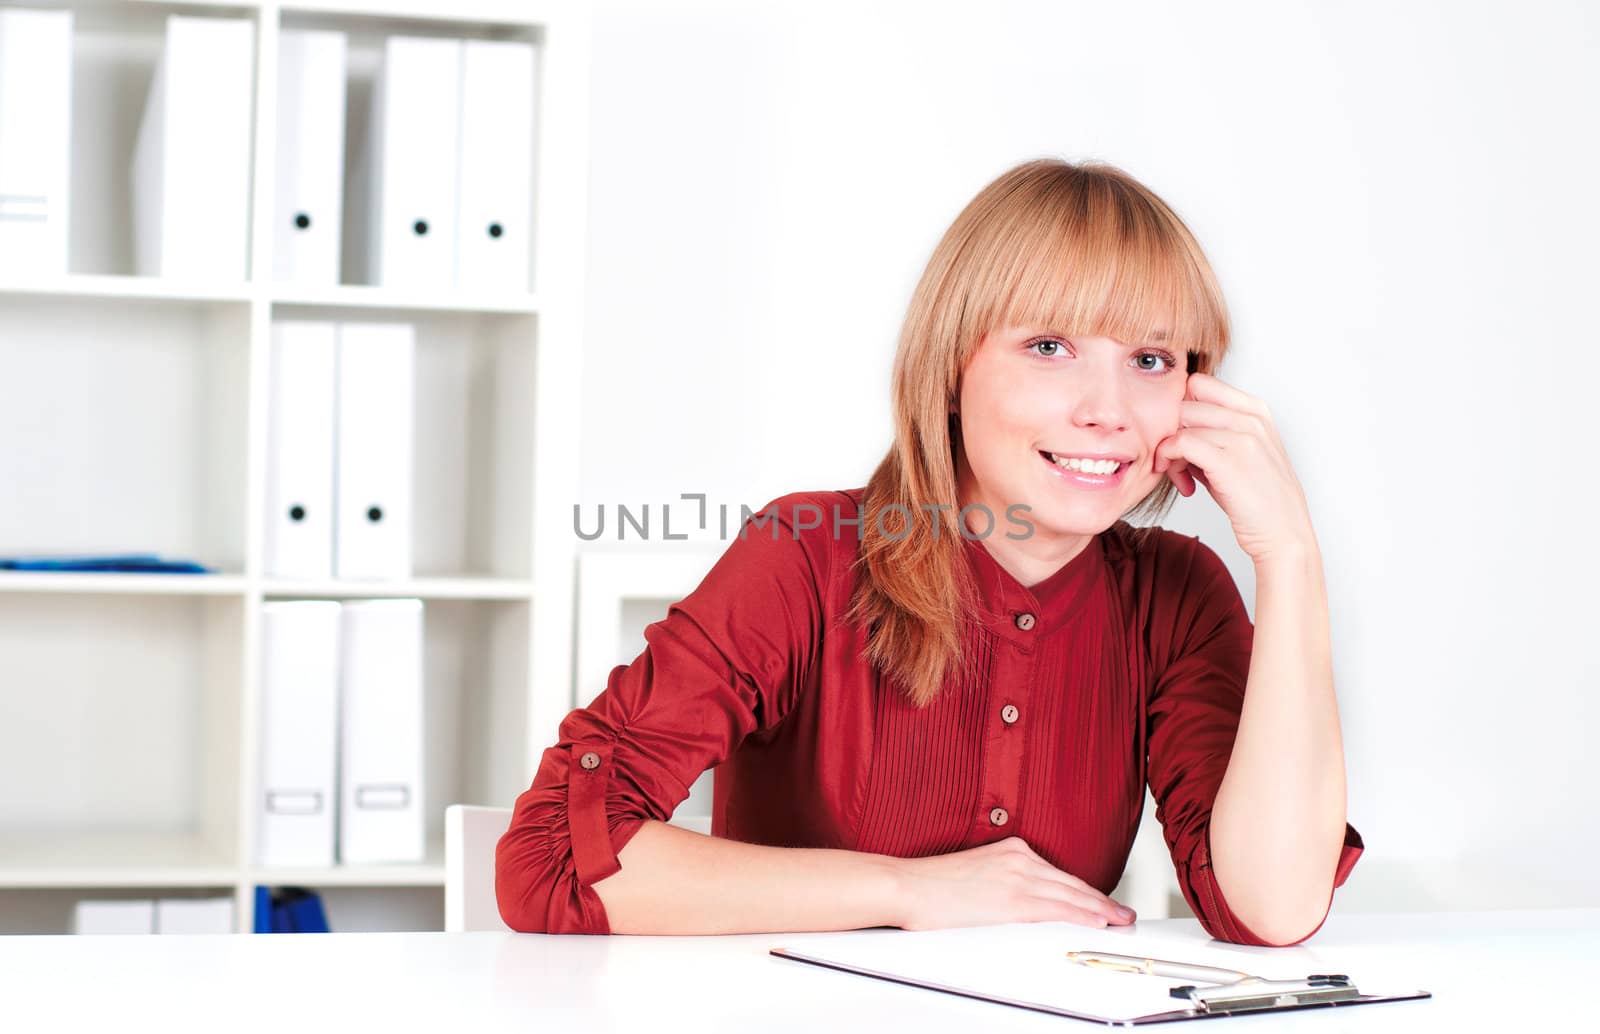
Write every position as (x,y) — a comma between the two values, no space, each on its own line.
(1399,201)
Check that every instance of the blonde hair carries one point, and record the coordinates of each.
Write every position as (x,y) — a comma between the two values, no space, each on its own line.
(1079,247)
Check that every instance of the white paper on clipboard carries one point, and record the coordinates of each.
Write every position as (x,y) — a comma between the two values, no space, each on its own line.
(1025,964)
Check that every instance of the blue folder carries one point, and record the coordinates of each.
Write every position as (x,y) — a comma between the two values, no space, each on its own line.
(146,563)
(289,910)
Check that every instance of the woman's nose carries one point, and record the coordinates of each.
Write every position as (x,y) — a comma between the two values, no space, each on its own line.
(1100,405)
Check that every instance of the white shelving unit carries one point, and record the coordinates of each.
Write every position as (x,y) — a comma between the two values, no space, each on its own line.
(135,419)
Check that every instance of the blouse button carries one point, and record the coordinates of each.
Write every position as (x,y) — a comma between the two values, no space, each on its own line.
(1025,621)
(591,760)
(998,816)
(1008,714)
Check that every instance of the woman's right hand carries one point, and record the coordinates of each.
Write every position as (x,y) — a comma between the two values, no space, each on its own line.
(1002,882)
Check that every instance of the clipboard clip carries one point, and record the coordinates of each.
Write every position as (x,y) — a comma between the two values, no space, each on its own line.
(1230,990)
(1254,993)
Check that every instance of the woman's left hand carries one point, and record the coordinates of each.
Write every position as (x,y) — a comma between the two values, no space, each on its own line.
(1227,442)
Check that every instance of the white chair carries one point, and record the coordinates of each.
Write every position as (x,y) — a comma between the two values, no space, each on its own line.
(470,835)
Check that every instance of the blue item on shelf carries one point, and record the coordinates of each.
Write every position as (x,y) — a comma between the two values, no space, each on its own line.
(263,921)
(289,910)
(146,563)
(304,910)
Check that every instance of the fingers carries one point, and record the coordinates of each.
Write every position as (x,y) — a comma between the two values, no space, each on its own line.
(1200,445)
(1063,887)
(1080,910)
(1208,388)
(1054,909)
(1209,414)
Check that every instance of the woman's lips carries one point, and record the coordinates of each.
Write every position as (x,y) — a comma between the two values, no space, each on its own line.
(1079,479)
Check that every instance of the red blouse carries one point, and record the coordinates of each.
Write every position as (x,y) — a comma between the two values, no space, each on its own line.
(1124,667)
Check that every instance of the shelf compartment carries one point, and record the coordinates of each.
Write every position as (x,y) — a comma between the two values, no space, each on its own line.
(116,50)
(472,466)
(118,746)
(134,446)
(475,673)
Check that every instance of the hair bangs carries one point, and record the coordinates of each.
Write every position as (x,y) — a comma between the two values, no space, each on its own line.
(1107,263)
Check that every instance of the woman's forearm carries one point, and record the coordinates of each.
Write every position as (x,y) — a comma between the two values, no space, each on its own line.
(1279,817)
(676,881)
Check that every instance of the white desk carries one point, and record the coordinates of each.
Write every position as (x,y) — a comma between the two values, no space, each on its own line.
(1546,962)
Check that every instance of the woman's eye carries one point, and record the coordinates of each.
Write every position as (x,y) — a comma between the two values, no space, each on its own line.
(1157,355)
(1047,343)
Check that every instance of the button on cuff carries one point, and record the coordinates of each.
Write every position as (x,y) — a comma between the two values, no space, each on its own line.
(593,858)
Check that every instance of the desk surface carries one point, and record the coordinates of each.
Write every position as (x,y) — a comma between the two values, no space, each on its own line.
(1534,967)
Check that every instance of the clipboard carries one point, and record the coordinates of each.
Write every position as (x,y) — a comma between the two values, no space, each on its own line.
(1209,993)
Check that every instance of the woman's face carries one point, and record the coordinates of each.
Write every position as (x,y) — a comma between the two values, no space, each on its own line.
(1027,393)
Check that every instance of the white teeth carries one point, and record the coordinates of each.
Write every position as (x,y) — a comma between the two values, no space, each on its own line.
(1087,466)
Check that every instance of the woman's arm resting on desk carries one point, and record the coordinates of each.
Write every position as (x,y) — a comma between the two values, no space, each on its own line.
(675,881)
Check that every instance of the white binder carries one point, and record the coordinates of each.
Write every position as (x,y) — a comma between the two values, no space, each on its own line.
(410,164)
(191,163)
(103,917)
(194,915)
(298,532)
(300,643)
(35,140)
(372,531)
(380,769)
(497,114)
(308,210)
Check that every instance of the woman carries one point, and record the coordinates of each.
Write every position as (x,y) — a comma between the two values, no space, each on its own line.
(937,700)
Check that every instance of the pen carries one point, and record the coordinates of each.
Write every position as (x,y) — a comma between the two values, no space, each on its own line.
(1156,967)
(1189,970)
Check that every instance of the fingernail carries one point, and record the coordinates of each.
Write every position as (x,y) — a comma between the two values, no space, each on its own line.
(1127,913)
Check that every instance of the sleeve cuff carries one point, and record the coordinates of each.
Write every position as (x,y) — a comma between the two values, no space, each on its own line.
(593,856)
(595,845)
(1219,920)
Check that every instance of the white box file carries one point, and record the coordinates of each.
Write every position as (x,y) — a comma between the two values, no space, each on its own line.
(35,141)
(308,210)
(103,917)
(194,915)
(300,648)
(409,164)
(497,132)
(380,768)
(191,165)
(376,389)
(298,531)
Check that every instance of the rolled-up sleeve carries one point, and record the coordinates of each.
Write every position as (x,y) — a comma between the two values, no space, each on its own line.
(1192,719)
(727,660)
